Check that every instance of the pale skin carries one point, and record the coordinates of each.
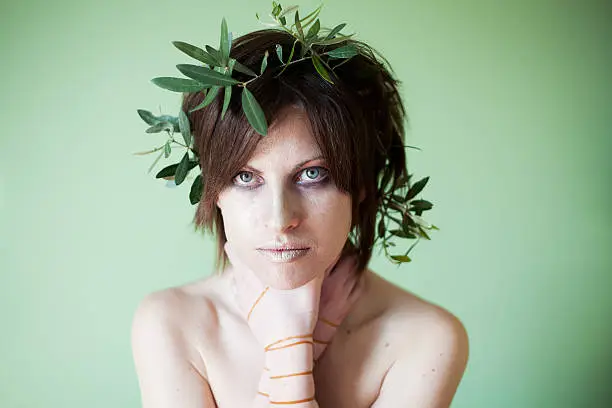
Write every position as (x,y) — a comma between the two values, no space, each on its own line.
(218,342)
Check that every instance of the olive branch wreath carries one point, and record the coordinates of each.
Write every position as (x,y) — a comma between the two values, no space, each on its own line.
(400,212)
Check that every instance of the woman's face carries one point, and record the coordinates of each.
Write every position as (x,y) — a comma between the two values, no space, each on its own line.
(283,215)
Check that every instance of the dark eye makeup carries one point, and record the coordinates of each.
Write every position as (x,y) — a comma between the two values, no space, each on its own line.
(308,177)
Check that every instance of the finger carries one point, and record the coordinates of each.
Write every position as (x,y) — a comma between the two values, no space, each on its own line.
(346,265)
(318,350)
(359,286)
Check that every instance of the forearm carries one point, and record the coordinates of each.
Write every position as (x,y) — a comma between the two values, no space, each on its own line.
(290,381)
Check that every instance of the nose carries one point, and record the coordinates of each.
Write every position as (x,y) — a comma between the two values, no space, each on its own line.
(285,210)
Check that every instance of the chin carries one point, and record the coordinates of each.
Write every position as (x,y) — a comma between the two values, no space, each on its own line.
(285,276)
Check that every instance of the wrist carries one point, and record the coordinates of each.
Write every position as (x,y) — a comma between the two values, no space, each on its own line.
(298,391)
(291,355)
(289,364)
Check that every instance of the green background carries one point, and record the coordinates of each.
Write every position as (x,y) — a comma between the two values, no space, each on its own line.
(509,102)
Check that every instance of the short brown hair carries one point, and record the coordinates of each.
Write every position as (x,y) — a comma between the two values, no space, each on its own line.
(357,122)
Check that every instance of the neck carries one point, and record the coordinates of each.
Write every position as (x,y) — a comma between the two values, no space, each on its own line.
(364,308)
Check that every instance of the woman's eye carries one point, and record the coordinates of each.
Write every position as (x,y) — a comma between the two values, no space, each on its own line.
(313,175)
(244,178)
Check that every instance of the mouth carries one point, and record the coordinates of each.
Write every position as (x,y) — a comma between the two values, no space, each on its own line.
(286,254)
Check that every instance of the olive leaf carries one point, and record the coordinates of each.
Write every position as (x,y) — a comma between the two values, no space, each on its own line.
(245,70)
(184,127)
(178,84)
(407,221)
(216,54)
(279,52)
(314,30)
(210,96)
(228,90)
(195,193)
(397,198)
(195,52)
(167,171)
(160,127)
(298,25)
(288,10)
(276,10)
(170,170)
(167,149)
(331,41)
(420,205)
(316,61)
(381,228)
(224,45)
(264,63)
(401,181)
(423,233)
(401,258)
(346,51)
(182,170)
(398,233)
(148,117)
(170,119)
(335,31)
(205,75)
(416,188)
(288,60)
(407,233)
(310,17)
(151,119)
(253,112)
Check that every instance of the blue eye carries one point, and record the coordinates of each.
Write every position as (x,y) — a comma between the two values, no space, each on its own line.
(245,177)
(313,175)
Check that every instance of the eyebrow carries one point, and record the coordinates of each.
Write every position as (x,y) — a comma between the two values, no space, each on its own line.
(295,168)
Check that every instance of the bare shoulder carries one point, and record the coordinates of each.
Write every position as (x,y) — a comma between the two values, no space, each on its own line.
(167,358)
(424,319)
(178,307)
(433,347)
(187,312)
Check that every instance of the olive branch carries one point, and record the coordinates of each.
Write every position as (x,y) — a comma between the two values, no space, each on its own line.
(400,213)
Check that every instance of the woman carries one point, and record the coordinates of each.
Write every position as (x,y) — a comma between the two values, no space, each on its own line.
(296,317)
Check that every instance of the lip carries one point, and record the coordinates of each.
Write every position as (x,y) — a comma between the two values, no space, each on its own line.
(283,247)
(285,254)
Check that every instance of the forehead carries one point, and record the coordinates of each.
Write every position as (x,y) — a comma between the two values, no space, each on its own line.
(289,138)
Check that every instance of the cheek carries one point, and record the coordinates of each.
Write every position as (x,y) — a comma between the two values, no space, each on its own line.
(238,213)
(330,217)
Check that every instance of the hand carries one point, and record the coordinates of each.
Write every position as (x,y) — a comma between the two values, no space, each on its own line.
(276,317)
(339,292)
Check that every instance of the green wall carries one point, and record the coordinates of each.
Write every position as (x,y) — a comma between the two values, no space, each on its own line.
(509,102)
